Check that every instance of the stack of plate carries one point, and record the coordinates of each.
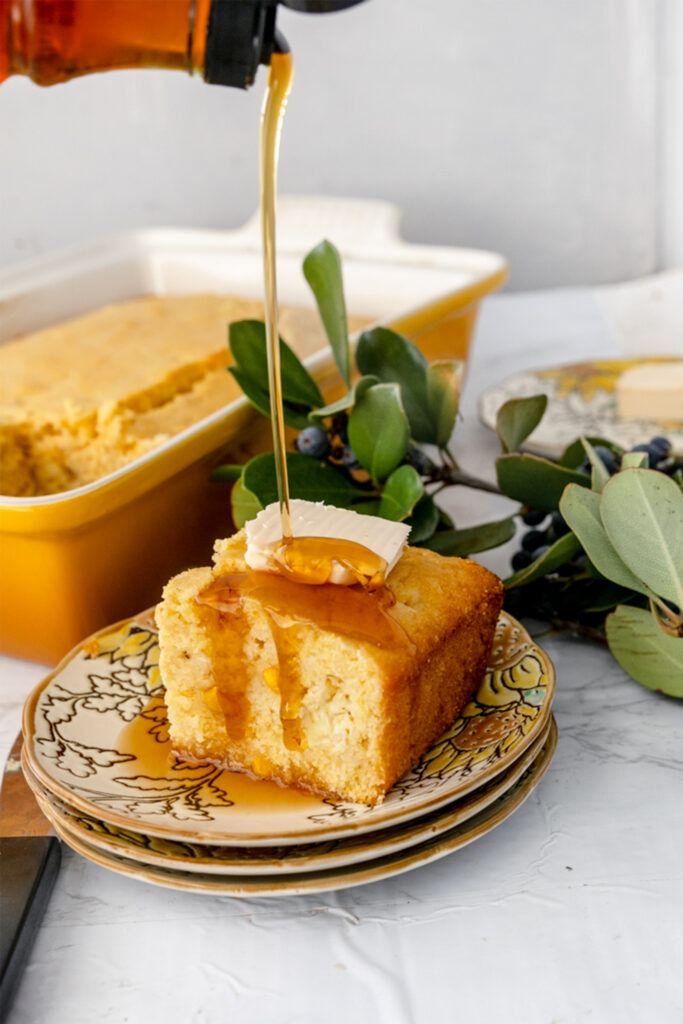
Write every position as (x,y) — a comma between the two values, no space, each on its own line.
(97,755)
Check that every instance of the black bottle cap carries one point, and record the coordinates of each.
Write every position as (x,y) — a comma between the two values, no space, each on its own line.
(241,35)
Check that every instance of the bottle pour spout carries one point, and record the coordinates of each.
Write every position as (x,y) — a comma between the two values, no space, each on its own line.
(241,35)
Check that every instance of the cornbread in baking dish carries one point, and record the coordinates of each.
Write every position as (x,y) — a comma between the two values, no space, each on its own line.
(86,397)
(325,688)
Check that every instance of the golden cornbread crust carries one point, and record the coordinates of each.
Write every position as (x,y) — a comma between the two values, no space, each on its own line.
(86,397)
(368,713)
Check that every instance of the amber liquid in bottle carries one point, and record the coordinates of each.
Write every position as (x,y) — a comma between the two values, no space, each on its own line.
(55,40)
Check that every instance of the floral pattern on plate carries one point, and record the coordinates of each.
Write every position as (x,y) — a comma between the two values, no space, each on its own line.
(430,849)
(301,857)
(581,400)
(96,736)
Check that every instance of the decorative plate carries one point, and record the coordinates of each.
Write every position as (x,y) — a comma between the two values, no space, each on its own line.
(581,400)
(305,857)
(96,736)
(415,856)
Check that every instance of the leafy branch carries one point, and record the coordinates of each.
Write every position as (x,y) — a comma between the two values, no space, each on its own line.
(608,562)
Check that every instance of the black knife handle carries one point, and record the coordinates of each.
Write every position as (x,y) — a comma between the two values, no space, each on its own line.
(28,868)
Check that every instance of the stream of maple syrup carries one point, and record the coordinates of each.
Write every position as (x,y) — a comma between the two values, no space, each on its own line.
(277,92)
(300,591)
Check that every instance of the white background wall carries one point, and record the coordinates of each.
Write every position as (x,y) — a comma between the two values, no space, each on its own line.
(549,130)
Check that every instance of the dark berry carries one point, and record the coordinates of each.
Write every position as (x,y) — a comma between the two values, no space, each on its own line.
(607,458)
(558,525)
(515,601)
(540,551)
(533,539)
(533,516)
(585,467)
(520,560)
(420,462)
(349,458)
(313,441)
(661,446)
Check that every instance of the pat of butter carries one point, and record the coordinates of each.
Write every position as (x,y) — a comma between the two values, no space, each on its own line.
(651,391)
(315,519)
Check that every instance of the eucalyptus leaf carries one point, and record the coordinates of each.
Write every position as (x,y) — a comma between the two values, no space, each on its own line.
(535,481)
(642,511)
(635,460)
(424,520)
(244,503)
(581,510)
(472,539)
(599,472)
(309,478)
(322,270)
(247,339)
(517,418)
(575,453)
(347,402)
(226,473)
(393,358)
(379,432)
(367,508)
(444,380)
(402,491)
(644,651)
(557,555)
(259,399)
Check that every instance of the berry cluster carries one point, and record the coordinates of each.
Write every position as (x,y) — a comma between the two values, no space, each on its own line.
(549,597)
(334,445)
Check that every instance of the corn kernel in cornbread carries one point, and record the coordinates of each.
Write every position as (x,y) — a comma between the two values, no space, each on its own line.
(264,687)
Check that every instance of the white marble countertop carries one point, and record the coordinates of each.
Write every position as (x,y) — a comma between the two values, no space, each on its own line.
(571,910)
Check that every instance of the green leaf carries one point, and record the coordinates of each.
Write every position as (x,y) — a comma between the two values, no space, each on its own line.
(635,460)
(581,510)
(367,508)
(392,358)
(599,472)
(575,453)
(247,339)
(644,651)
(424,520)
(259,399)
(245,505)
(602,596)
(309,478)
(557,555)
(226,473)
(444,380)
(402,491)
(642,511)
(379,432)
(322,270)
(349,399)
(517,418)
(472,539)
(535,481)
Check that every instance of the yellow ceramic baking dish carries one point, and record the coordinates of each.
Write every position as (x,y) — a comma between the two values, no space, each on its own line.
(73,562)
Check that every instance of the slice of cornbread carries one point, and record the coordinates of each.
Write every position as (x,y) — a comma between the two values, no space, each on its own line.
(83,398)
(341,700)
